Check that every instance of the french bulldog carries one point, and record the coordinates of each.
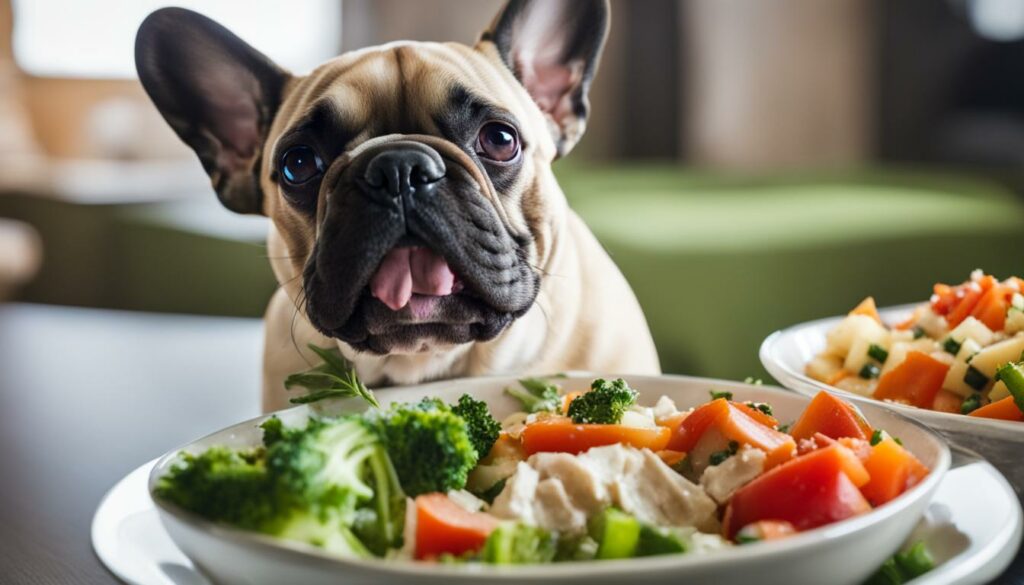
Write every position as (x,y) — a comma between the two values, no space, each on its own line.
(415,222)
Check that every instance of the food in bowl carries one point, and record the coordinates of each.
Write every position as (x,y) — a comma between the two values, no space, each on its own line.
(962,352)
(570,477)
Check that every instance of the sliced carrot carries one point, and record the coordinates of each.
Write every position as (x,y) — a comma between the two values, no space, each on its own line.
(442,526)
(567,400)
(758,414)
(838,377)
(1005,409)
(968,295)
(672,422)
(671,457)
(735,424)
(867,307)
(831,416)
(946,401)
(915,381)
(893,470)
(564,436)
(943,298)
(992,306)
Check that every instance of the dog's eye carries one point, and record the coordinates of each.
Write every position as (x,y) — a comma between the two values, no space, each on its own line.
(497,141)
(300,164)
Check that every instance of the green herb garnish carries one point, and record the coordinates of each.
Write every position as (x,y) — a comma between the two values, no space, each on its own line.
(334,378)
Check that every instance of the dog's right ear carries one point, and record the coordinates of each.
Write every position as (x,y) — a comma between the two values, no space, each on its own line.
(217,93)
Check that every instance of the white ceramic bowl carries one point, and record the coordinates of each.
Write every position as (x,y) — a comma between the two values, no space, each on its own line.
(846,552)
(785,353)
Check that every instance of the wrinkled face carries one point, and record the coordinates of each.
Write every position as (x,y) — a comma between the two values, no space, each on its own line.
(401,178)
(409,184)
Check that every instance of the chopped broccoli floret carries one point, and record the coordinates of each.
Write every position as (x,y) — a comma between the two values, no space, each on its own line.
(324,463)
(223,485)
(428,444)
(519,544)
(310,484)
(483,429)
(537,395)
(604,404)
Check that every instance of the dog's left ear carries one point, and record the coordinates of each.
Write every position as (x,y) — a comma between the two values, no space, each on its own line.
(217,93)
(552,47)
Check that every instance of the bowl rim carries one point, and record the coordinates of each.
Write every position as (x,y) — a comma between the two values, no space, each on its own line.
(803,541)
(801,383)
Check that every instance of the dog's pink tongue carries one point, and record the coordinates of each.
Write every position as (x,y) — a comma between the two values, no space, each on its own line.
(405,271)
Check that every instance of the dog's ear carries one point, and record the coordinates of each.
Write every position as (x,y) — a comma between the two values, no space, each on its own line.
(217,93)
(552,47)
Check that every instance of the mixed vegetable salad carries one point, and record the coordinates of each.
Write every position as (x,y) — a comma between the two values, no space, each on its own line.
(962,352)
(571,477)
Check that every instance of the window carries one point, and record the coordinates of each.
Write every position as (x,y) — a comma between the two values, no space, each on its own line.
(72,38)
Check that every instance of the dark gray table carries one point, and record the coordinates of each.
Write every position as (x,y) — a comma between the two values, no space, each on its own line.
(88,395)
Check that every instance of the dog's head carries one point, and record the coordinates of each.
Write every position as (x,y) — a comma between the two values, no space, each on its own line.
(409,182)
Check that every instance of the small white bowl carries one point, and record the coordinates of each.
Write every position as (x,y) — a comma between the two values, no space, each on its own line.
(785,353)
(847,552)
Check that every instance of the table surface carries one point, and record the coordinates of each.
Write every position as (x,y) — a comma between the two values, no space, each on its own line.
(86,396)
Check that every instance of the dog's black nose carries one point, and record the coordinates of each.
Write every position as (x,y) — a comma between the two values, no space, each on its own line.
(401,171)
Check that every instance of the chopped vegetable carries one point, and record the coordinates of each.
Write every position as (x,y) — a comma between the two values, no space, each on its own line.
(916,381)
(735,423)
(829,415)
(564,436)
(1004,409)
(762,406)
(892,470)
(656,541)
(970,404)
(321,484)
(967,298)
(429,445)
(992,307)
(444,527)
(877,352)
(537,395)
(869,371)
(903,566)
(868,308)
(951,346)
(483,429)
(335,378)
(1013,376)
(975,379)
(716,394)
(946,401)
(810,491)
(617,534)
(764,530)
(604,404)
(515,543)
(719,457)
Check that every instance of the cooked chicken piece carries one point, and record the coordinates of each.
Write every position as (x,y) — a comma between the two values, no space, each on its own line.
(560,492)
(654,493)
(516,500)
(582,485)
(720,481)
(554,510)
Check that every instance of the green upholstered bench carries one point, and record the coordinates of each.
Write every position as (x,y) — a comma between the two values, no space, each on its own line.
(719,263)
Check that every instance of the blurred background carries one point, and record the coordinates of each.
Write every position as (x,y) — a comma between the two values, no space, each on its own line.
(749,165)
